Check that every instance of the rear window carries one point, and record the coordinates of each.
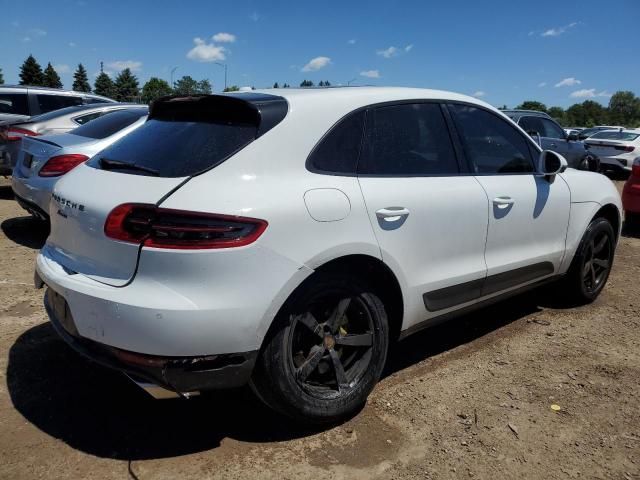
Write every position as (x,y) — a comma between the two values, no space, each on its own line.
(178,148)
(109,124)
(622,136)
(14,103)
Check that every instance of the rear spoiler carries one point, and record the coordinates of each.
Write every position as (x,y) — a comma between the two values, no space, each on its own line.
(261,110)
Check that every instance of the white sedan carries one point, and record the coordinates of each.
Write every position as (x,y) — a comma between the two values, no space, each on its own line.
(617,149)
(283,238)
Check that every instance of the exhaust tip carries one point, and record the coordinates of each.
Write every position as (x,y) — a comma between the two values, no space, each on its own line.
(161,393)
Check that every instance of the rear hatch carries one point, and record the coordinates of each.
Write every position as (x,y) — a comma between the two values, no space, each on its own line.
(183,137)
(37,150)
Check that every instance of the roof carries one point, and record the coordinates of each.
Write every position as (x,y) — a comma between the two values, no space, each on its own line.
(525,113)
(56,90)
(81,108)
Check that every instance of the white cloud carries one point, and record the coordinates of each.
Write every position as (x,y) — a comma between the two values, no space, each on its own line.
(352,41)
(224,37)
(316,64)
(568,82)
(206,52)
(26,39)
(62,68)
(15,24)
(37,32)
(589,93)
(72,44)
(408,48)
(388,52)
(542,84)
(557,31)
(479,94)
(119,65)
(370,73)
(255,16)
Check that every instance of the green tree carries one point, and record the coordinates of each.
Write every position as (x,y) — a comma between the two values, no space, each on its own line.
(232,88)
(306,83)
(31,72)
(586,114)
(204,87)
(185,86)
(532,105)
(104,86)
(275,85)
(286,85)
(1,78)
(51,77)
(80,80)
(624,109)
(558,114)
(126,86)
(154,89)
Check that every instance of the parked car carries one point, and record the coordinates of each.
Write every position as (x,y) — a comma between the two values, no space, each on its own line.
(19,102)
(57,121)
(587,132)
(631,195)
(551,136)
(44,159)
(276,238)
(617,149)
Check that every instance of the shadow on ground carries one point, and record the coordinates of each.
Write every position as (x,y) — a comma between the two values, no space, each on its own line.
(6,193)
(100,412)
(26,231)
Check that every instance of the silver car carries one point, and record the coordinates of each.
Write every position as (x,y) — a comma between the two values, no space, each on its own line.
(57,121)
(44,159)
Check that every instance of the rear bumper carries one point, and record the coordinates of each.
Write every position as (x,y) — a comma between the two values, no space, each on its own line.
(177,374)
(31,207)
(34,190)
(618,163)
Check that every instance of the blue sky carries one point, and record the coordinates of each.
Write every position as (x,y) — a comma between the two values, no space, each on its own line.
(558,52)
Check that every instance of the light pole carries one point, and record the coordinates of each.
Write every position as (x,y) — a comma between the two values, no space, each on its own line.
(225,72)
(173,70)
(352,80)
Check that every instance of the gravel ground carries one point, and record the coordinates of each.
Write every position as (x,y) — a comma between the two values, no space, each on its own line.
(468,399)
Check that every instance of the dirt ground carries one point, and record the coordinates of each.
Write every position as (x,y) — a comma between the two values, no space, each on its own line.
(468,399)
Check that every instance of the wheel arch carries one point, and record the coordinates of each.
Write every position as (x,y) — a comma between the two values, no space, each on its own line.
(612,214)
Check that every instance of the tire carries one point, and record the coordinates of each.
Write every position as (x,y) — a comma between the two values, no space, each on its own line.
(591,264)
(310,367)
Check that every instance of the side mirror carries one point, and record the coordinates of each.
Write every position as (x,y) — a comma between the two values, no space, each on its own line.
(573,137)
(551,163)
(536,136)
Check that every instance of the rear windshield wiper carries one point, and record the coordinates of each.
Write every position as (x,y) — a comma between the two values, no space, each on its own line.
(108,164)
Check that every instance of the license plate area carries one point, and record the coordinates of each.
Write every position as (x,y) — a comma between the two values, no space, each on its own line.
(61,311)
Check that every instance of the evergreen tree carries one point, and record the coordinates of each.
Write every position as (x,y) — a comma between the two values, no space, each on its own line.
(185,86)
(204,87)
(286,85)
(275,85)
(31,72)
(80,80)
(126,86)
(327,83)
(532,105)
(154,89)
(104,86)
(51,77)
(1,78)
(306,83)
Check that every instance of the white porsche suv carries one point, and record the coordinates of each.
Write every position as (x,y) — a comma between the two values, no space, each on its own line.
(284,238)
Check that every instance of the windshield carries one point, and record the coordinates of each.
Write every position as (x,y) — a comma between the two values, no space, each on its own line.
(622,136)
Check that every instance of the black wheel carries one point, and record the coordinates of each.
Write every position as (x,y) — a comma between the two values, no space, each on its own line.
(325,351)
(592,263)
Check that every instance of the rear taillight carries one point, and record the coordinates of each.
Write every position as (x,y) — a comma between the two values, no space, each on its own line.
(56,166)
(16,134)
(156,227)
(625,148)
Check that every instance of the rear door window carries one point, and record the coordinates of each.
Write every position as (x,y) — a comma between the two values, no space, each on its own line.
(408,140)
(532,125)
(109,123)
(491,144)
(49,103)
(551,130)
(14,103)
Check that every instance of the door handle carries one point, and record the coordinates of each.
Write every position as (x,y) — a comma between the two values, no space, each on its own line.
(503,202)
(392,214)
(554,145)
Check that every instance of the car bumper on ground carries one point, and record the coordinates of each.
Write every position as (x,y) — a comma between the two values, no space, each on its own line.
(33,190)
(616,162)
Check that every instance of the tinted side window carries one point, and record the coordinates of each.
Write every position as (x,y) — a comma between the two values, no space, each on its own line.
(491,143)
(552,130)
(408,139)
(15,103)
(91,100)
(81,120)
(109,123)
(338,151)
(531,125)
(49,103)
